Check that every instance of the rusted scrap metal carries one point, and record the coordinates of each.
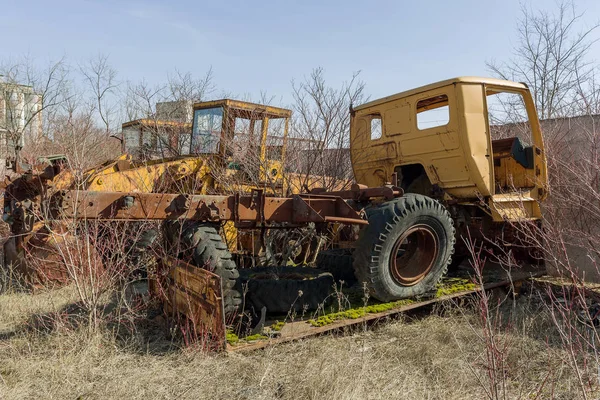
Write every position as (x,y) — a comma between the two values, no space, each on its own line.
(257,208)
(362,193)
(51,255)
(47,254)
(196,294)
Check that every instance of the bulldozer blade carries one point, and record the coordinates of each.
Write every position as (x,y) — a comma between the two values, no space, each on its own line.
(196,294)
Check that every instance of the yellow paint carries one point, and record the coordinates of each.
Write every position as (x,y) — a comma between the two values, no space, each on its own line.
(152,177)
(230,233)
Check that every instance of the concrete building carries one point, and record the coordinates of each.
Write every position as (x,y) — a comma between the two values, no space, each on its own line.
(178,111)
(20,117)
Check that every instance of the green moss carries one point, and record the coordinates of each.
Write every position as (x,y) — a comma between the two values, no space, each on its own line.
(454,285)
(355,313)
(277,326)
(257,336)
(232,338)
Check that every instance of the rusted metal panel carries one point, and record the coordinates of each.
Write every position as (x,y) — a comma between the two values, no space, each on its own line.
(52,255)
(197,294)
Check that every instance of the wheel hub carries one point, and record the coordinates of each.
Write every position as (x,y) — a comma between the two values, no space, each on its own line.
(414,255)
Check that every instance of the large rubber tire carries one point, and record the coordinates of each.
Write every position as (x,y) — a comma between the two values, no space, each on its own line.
(201,245)
(338,262)
(401,233)
(285,289)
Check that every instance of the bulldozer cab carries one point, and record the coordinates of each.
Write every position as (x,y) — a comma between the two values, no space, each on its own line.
(239,143)
(248,138)
(148,139)
(467,139)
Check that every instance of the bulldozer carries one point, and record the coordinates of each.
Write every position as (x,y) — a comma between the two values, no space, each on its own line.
(430,164)
(230,147)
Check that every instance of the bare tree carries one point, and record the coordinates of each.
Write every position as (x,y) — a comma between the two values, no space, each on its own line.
(101,80)
(321,129)
(551,58)
(184,89)
(80,127)
(181,91)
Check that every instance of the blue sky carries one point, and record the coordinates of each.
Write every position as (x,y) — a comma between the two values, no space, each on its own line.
(256,46)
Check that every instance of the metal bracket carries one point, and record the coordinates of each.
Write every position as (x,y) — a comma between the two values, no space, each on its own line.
(258,203)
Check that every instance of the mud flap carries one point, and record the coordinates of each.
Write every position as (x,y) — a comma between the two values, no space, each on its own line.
(195,293)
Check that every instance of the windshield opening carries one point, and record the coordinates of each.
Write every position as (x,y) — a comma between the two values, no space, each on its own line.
(507,116)
(512,141)
(206,132)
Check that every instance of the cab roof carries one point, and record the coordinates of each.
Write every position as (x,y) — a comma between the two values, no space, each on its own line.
(432,86)
(256,110)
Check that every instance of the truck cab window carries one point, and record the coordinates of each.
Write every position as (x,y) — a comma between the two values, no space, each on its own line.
(376,128)
(433,112)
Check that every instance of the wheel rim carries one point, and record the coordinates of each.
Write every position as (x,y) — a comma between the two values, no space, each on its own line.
(413,255)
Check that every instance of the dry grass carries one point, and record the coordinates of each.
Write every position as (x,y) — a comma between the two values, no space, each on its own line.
(439,356)
(17,308)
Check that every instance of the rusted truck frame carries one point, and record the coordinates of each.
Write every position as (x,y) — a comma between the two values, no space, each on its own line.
(255,208)
(184,289)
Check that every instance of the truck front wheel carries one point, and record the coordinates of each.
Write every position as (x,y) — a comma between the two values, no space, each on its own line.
(406,248)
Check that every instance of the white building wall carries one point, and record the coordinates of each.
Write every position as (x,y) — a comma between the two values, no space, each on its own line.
(20,117)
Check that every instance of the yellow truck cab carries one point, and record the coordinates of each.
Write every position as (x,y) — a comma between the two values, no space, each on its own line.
(469,140)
